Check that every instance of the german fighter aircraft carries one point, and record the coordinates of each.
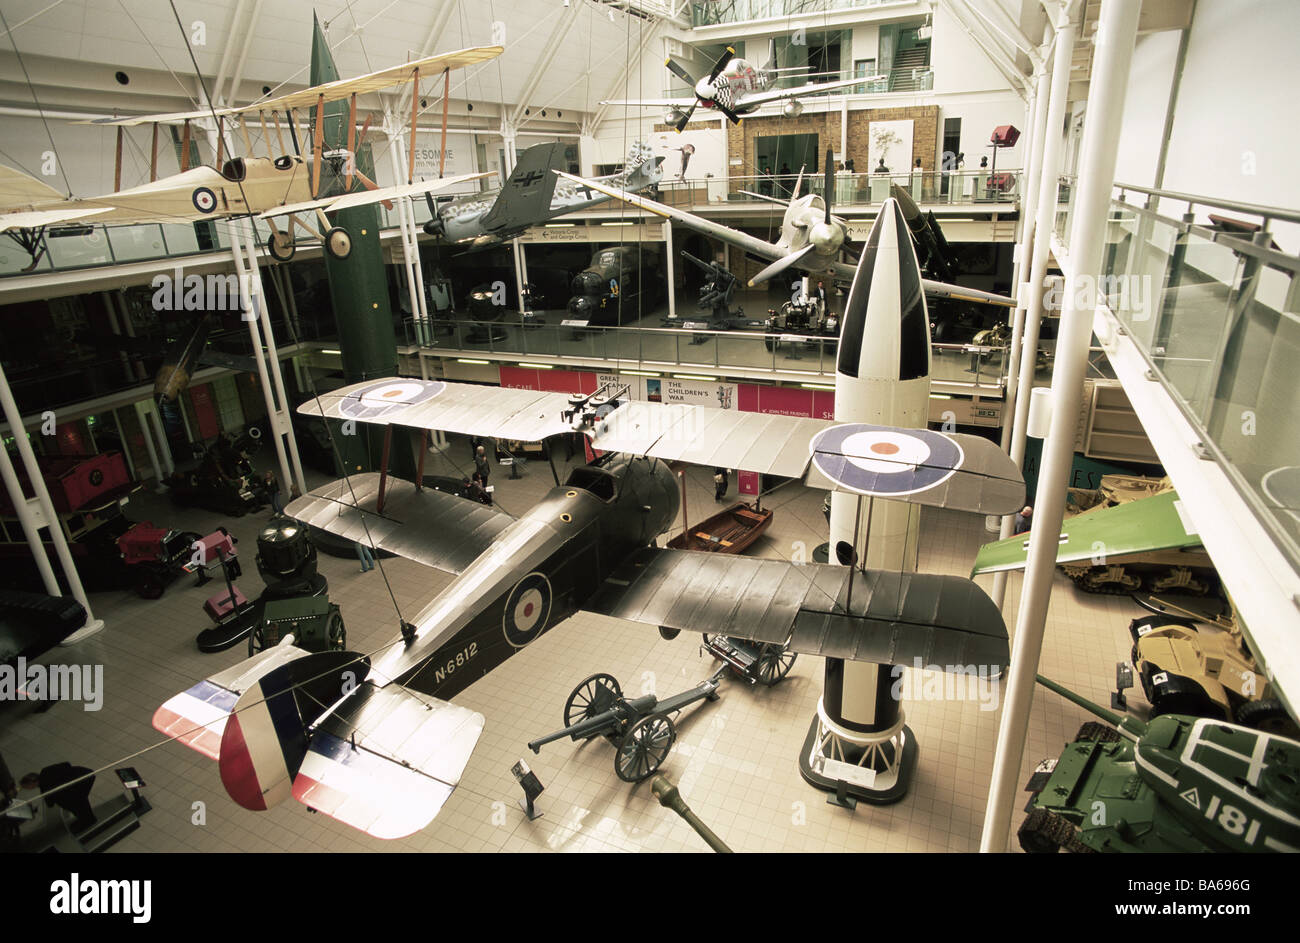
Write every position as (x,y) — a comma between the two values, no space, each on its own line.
(374,742)
(532,196)
(734,87)
(266,187)
(812,239)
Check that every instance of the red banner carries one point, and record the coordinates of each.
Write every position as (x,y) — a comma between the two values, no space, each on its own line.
(205,411)
(548,381)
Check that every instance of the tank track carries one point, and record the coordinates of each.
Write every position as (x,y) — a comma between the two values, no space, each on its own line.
(1050,829)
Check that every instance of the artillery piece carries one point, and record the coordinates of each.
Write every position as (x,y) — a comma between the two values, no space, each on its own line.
(640,729)
(1177,783)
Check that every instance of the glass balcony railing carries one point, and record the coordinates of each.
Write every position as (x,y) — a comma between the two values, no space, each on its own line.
(1215,311)
(926,187)
(980,368)
(899,80)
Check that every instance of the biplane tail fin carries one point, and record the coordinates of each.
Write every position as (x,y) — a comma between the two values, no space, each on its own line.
(197,716)
(526,197)
(287,722)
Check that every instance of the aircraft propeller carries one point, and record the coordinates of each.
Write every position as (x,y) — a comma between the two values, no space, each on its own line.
(705,90)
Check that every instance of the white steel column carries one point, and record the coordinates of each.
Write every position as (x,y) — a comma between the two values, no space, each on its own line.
(164,447)
(47,511)
(250,316)
(1045,211)
(672,281)
(410,250)
(28,519)
(147,431)
(126,446)
(282,418)
(1116,34)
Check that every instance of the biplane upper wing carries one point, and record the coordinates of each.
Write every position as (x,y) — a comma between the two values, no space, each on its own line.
(378,195)
(886,617)
(759,248)
(431,527)
(330,91)
(941,469)
(1154,523)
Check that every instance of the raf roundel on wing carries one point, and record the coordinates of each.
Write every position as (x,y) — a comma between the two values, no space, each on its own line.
(388,397)
(883,461)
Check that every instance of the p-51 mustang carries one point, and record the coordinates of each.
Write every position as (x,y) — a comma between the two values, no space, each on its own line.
(243,186)
(374,742)
(532,196)
(734,87)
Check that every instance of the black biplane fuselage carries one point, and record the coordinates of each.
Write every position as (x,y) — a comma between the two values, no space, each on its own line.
(541,570)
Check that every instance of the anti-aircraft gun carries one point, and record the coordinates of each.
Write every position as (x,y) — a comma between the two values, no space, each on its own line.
(715,297)
(1175,784)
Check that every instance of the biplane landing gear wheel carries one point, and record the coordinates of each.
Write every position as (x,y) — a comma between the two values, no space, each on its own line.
(644,748)
(338,243)
(281,246)
(593,696)
(773,663)
(336,633)
(256,641)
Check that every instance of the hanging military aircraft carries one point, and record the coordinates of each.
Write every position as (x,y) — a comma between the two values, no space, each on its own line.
(812,239)
(531,196)
(734,87)
(266,187)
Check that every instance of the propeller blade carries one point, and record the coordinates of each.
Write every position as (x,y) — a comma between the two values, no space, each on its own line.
(828,187)
(721,64)
(780,265)
(686,116)
(678,71)
(735,118)
(798,185)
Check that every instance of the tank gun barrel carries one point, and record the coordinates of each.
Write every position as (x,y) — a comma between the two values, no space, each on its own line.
(1118,721)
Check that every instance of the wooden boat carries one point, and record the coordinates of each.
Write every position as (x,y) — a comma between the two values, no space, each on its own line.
(729,531)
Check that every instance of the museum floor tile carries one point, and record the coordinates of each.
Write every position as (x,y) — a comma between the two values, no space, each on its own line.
(735,760)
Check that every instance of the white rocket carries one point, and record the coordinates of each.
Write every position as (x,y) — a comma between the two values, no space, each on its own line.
(882,378)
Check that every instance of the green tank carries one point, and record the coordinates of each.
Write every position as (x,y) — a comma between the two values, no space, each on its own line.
(1176,784)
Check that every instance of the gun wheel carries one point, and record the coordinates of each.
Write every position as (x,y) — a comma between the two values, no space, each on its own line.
(593,696)
(336,633)
(773,663)
(644,748)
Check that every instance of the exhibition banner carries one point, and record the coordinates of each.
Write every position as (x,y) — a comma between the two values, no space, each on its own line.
(548,381)
(787,401)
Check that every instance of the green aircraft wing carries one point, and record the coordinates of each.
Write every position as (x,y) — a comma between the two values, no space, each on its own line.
(1155,523)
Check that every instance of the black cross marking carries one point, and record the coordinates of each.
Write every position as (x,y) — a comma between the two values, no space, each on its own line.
(529,178)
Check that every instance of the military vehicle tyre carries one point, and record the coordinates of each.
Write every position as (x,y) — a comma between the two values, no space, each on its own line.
(1268,715)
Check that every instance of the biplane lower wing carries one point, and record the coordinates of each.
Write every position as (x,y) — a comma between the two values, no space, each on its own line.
(428,526)
(956,471)
(1142,526)
(886,618)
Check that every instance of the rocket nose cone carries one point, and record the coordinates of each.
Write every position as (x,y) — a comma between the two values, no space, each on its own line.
(885,298)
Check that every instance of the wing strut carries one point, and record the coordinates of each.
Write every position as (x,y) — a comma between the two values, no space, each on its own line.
(415,112)
(318,143)
(446,103)
(352,142)
(383,468)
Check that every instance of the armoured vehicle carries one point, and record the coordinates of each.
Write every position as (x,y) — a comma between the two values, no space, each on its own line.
(1176,784)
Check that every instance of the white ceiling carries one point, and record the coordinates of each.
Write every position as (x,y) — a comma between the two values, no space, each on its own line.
(562,57)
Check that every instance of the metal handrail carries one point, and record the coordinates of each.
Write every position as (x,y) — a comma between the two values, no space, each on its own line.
(1280,261)
(1252,209)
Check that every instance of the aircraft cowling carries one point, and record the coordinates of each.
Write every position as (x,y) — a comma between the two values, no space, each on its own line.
(649,492)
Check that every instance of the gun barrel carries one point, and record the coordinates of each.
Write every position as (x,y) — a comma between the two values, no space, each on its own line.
(700,262)
(590,726)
